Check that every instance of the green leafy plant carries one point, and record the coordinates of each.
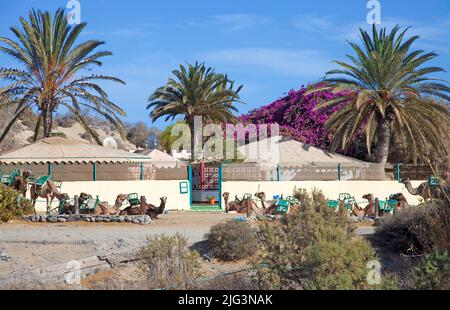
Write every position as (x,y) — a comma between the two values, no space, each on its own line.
(232,240)
(392,93)
(49,77)
(433,272)
(196,90)
(12,205)
(169,263)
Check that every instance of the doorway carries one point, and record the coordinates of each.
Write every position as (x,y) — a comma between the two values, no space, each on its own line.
(205,180)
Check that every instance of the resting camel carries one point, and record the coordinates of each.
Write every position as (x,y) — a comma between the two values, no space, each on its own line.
(146,209)
(245,206)
(49,191)
(151,210)
(250,207)
(102,209)
(425,191)
(358,211)
(401,202)
(371,208)
(267,208)
(106,209)
(231,205)
(272,205)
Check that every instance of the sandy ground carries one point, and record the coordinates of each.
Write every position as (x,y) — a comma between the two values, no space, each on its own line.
(74,132)
(33,246)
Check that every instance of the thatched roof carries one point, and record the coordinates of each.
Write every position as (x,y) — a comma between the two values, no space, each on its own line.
(60,150)
(157,155)
(287,151)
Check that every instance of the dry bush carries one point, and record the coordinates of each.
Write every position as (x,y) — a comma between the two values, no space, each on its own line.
(168,262)
(232,240)
(417,230)
(65,121)
(314,249)
(236,282)
(138,134)
(15,285)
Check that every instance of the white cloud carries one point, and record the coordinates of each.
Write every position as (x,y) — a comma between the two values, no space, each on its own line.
(434,34)
(312,22)
(279,61)
(239,21)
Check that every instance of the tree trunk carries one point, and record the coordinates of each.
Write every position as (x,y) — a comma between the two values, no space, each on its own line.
(47,122)
(191,128)
(384,136)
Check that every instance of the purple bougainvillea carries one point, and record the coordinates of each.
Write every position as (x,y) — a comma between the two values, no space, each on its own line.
(297,117)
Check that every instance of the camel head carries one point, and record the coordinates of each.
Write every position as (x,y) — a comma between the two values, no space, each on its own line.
(405,180)
(83,196)
(398,197)
(163,200)
(261,195)
(26,174)
(226,195)
(121,198)
(369,197)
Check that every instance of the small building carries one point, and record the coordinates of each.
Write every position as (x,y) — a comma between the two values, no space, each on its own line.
(71,160)
(160,159)
(183,155)
(287,151)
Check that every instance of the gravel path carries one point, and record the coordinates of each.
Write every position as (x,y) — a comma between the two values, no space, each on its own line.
(27,246)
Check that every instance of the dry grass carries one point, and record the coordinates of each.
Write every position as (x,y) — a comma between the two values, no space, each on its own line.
(417,230)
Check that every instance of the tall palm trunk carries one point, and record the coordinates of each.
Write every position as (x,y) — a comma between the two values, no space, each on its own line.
(384,137)
(47,122)
(190,122)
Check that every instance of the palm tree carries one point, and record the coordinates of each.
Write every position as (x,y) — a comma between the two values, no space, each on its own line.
(49,74)
(196,91)
(390,93)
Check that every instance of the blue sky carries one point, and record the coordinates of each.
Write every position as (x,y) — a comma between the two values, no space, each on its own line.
(270,47)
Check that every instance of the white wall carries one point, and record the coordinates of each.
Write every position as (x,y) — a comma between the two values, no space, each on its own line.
(331,189)
(108,191)
(153,190)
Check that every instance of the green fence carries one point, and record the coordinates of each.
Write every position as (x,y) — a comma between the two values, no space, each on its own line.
(231,172)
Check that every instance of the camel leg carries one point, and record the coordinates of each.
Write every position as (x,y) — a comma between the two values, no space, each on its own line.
(34,204)
(270,209)
(49,203)
(249,209)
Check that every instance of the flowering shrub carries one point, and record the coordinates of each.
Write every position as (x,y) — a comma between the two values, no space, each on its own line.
(296,116)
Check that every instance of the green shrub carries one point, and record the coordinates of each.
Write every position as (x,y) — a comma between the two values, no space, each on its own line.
(232,240)
(314,249)
(417,230)
(9,208)
(433,272)
(169,263)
